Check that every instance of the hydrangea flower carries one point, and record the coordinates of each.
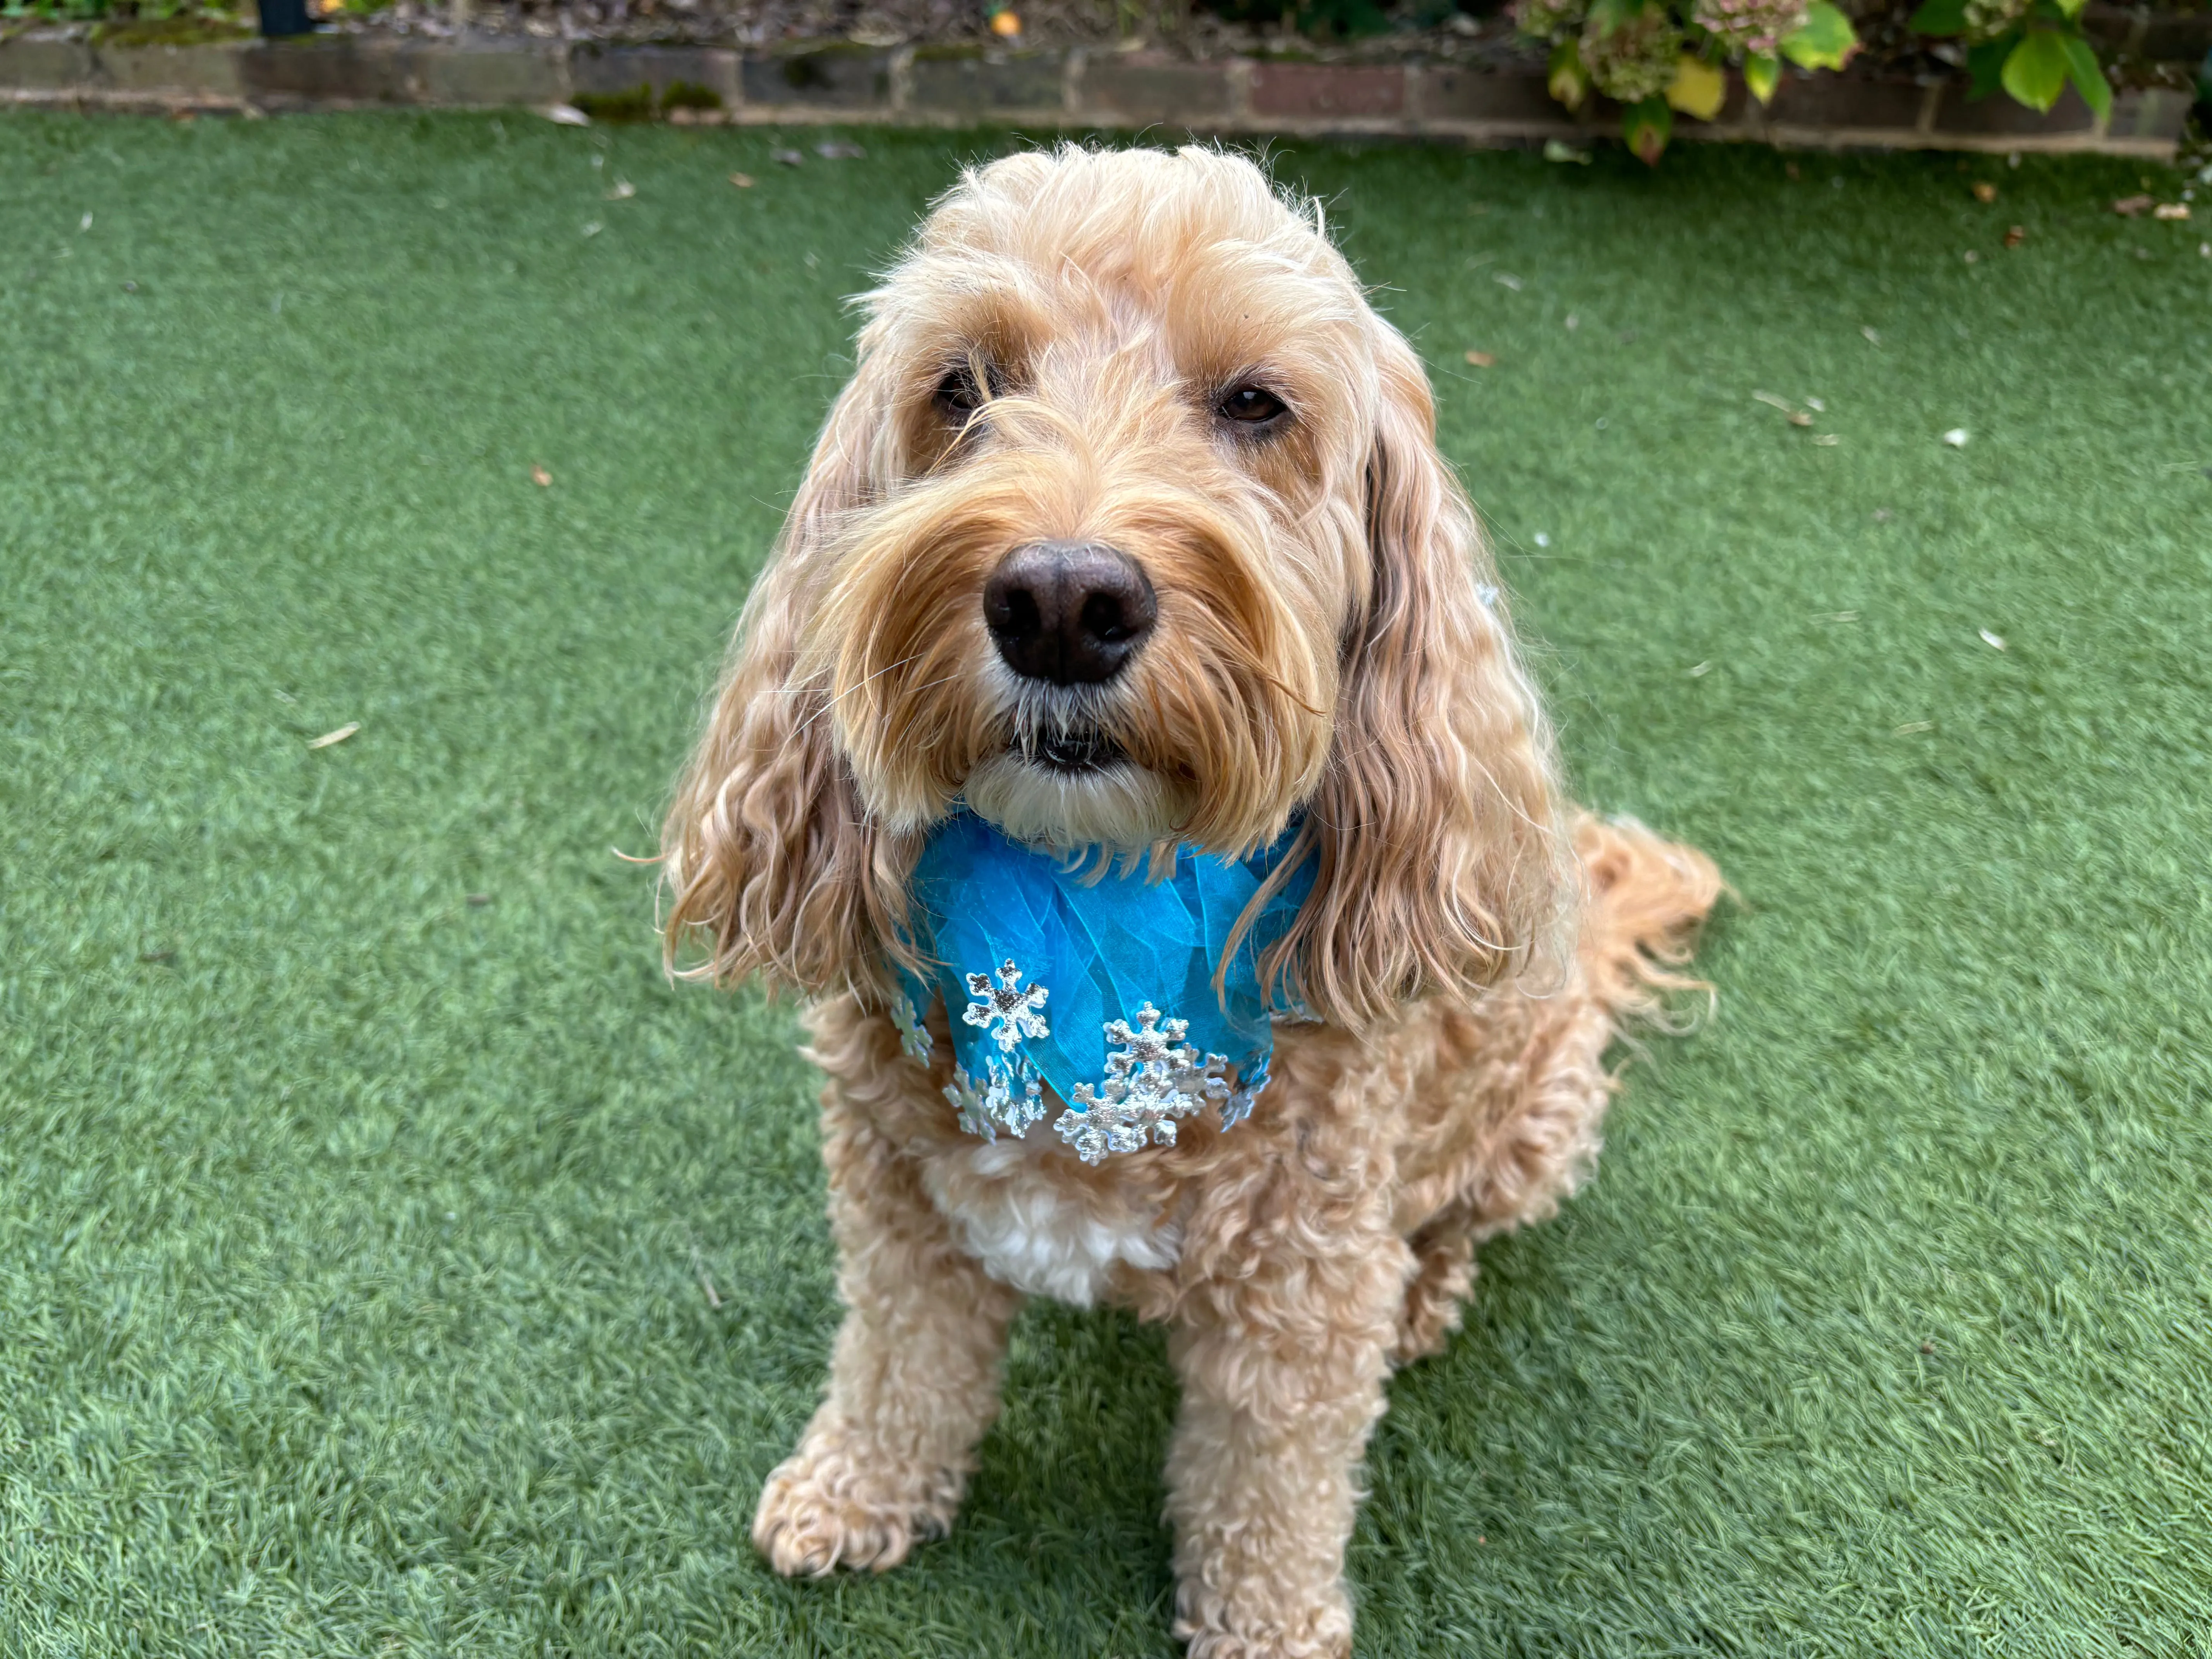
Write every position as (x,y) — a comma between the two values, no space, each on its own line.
(1988,19)
(1548,20)
(1636,58)
(1751,26)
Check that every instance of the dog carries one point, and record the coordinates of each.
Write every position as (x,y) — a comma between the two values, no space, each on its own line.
(1129,535)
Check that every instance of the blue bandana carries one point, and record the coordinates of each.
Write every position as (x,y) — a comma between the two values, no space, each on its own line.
(1100,990)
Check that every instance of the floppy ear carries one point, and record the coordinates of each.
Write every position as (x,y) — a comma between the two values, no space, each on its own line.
(1441,863)
(766,856)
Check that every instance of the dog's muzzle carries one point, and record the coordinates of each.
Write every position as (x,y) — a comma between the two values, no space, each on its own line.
(1068,613)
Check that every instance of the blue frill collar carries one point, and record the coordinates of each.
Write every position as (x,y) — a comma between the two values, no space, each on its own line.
(1097,987)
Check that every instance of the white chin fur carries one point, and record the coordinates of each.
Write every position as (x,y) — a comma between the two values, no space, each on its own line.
(1121,806)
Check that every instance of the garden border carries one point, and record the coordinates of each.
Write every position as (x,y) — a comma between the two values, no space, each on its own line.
(1073,89)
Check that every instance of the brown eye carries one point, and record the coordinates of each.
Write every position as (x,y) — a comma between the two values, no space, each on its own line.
(957,395)
(1252,406)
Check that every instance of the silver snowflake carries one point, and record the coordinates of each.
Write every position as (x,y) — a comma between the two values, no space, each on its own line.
(1152,1079)
(914,1036)
(1008,1006)
(1011,1098)
(1238,1105)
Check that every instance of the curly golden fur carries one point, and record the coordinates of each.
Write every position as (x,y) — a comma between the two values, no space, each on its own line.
(1330,649)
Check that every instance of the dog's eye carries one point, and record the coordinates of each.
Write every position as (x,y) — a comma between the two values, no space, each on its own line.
(957,395)
(1252,405)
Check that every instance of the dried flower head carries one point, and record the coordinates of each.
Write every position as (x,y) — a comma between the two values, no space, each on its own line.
(1750,26)
(1631,55)
(1987,19)
(1549,20)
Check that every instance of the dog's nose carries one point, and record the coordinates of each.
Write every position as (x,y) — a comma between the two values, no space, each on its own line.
(1069,612)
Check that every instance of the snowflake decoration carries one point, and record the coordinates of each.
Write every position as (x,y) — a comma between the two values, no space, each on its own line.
(1238,1105)
(914,1036)
(960,1092)
(1006,1005)
(1013,1098)
(1152,1078)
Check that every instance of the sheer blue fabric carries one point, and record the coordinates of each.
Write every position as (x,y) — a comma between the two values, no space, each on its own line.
(1098,988)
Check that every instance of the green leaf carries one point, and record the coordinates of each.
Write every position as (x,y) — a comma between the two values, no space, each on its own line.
(2035,69)
(1939,17)
(2088,75)
(2069,10)
(1762,73)
(1647,127)
(1826,41)
(1986,62)
(1567,80)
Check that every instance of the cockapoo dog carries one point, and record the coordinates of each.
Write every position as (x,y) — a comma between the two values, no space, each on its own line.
(1129,534)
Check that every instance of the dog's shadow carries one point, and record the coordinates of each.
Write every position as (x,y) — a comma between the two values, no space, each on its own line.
(1069,1483)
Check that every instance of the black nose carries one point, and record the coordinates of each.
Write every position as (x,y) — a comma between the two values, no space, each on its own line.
(1069,612)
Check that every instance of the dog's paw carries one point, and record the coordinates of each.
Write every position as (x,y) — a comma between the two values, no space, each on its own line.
(824,1509)
(1264,1622)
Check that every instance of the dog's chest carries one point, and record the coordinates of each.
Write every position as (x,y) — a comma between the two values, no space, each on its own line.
(1036,1229)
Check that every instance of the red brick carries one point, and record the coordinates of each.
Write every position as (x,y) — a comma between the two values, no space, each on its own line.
(1320,91)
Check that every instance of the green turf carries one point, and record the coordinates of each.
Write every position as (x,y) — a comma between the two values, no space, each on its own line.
(352,1235)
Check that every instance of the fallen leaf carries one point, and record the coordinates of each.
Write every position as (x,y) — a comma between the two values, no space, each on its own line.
(1505,281)
(339,736)
(1481,360)
(1994,642)
(2163,210)
(1984,191)
(1911,726)
(1573,321)
(1542,540)
(1701,671)
(2133,207)
(540,477)
(167,953)
(1556,149)
(790,158)
(1971,256)
(1772,402)
(1819,406)
(1828,440)
(85,223)
(593,227)
(1881,515)
(1872,336)
(1799,417)
(2015,236)
(837,151)
(567,115)
(742,180)
(480,899)
(622,192)
(1956,437)
(1836,617)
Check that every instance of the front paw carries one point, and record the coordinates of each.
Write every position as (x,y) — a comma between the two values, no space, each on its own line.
(1264,1620)
(826,1507)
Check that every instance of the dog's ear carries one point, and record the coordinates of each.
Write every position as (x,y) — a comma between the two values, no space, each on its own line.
(766,857)
(1440,859)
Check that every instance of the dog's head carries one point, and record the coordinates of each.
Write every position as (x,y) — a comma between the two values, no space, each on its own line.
(1128,531)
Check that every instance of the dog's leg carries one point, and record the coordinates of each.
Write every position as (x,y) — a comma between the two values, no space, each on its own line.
(1282,1351)
(914,1378)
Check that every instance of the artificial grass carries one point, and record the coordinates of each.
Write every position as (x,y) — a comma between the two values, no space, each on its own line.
(354,1236)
